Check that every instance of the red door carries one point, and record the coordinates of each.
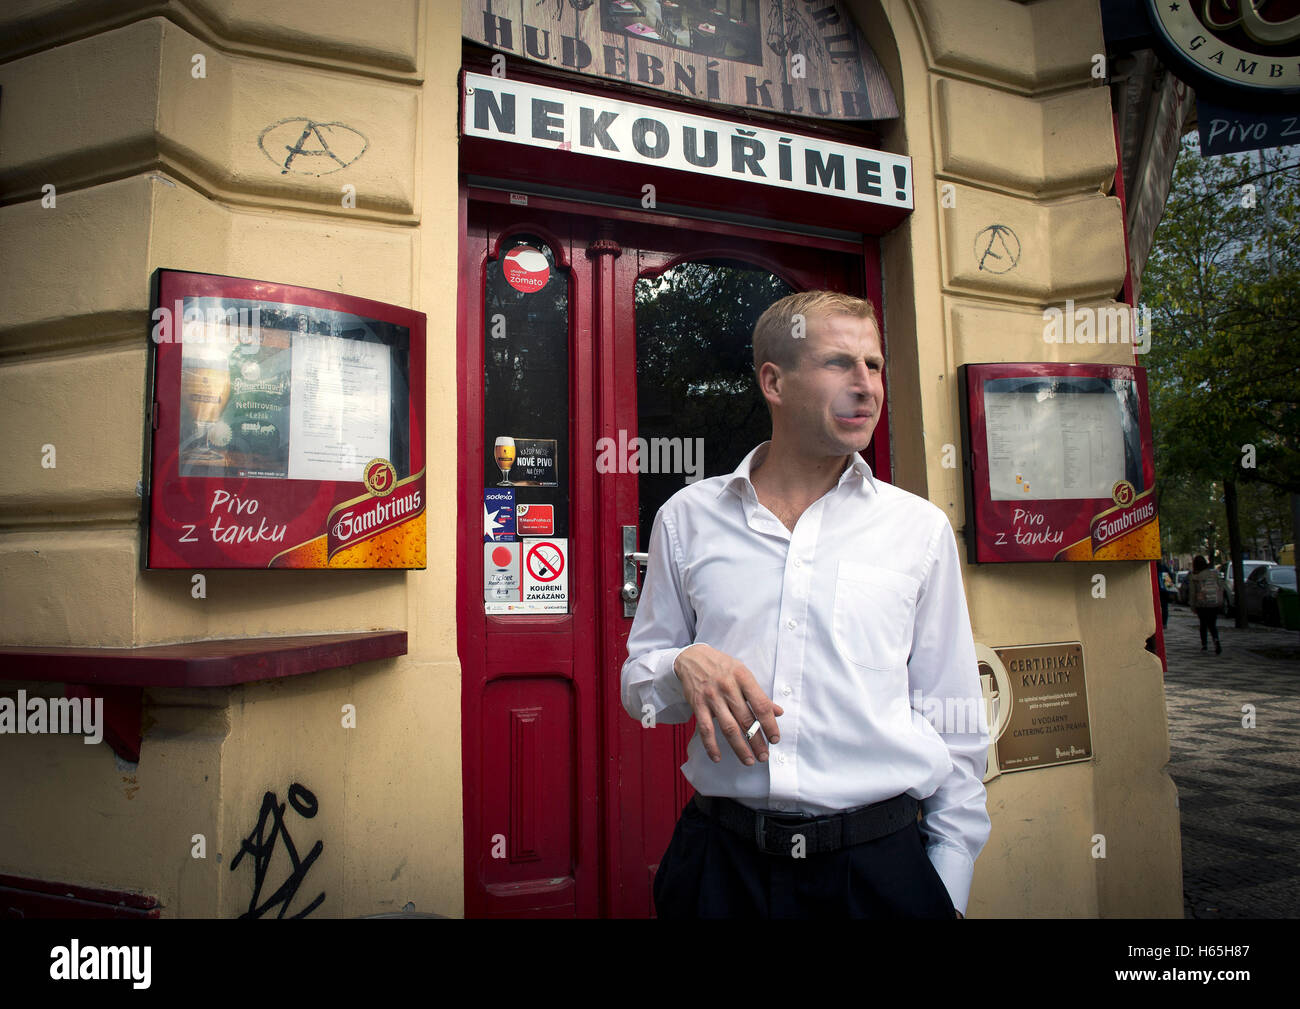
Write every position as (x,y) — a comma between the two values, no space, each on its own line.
(626,326)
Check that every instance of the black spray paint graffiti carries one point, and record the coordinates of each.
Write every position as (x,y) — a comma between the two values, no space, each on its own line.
(288,140)
(997,248)
(262,848)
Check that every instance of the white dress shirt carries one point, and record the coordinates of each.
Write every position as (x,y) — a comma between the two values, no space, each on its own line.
(855,623)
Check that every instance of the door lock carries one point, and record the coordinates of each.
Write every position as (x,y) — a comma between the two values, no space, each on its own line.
(632,559)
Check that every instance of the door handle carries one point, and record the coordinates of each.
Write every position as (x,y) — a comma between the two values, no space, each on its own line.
(632,559)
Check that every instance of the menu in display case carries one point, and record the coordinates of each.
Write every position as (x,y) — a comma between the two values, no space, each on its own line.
(1058,463)
(288,428)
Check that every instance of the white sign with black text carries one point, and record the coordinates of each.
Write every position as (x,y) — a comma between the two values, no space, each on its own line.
(522,113)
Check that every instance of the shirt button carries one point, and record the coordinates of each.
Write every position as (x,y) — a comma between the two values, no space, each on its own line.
(780,758)
(798,563)
(781,805)
(787,690)
(791,624)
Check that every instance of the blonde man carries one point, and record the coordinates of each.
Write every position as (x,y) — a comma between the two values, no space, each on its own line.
(806,613)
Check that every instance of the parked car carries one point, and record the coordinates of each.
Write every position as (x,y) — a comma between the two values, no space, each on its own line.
(1248,567)
(1262,593)
(1180,579)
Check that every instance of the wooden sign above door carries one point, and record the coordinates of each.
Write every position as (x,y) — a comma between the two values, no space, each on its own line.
(785,56)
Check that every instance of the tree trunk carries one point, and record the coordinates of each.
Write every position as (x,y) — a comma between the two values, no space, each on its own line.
(1234,548)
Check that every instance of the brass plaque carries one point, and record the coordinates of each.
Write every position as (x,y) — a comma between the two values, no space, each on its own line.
(1045,720)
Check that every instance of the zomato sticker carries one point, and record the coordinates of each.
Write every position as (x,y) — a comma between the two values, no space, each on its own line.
(526,269)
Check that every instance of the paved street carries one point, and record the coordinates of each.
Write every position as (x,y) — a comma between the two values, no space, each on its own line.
(1239,789)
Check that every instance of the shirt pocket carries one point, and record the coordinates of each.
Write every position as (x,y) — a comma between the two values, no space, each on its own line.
(875,609)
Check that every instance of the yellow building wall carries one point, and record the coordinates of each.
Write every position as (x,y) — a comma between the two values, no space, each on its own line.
(155,161)
(1006,124)
(154,167)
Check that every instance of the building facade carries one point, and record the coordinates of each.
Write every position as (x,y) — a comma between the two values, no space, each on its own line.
(483,765)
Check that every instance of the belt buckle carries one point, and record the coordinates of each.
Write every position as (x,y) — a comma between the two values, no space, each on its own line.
(760,827)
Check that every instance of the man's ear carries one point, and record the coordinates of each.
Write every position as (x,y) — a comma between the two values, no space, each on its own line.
(770,383)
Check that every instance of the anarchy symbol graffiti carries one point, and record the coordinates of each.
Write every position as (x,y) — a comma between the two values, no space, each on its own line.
(997,249)
(307,147)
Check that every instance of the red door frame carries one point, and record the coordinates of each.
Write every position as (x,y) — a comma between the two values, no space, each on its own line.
(488,657)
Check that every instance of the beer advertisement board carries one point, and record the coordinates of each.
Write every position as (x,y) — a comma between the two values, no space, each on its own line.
(287,428)
(1058,463)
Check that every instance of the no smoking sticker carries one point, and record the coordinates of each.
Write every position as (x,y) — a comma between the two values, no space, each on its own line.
(546,573)
(545,561)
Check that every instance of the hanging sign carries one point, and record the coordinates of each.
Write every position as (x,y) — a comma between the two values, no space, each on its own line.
(497,108)
(785,56)
(288,428)
(1232,131)
(1243,52)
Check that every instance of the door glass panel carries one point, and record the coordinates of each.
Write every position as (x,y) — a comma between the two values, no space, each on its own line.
(526,416)
(698,405)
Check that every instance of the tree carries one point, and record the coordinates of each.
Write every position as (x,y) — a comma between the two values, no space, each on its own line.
(1223,287)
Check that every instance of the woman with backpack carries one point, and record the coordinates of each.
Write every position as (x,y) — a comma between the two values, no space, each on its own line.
(1206,591)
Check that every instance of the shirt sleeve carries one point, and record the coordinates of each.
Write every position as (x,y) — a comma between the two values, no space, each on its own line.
(942,666)
(664,625)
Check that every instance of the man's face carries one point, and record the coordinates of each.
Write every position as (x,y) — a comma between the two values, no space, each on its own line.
(830,403)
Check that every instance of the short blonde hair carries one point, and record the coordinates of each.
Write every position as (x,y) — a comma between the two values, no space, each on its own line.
(776,337)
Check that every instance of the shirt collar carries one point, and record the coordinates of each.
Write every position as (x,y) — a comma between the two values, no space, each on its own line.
(739,479)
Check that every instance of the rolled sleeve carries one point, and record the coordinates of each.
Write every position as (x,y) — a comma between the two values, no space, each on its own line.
(942,666)
(664,625)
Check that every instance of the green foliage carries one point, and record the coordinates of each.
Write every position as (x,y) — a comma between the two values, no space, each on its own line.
(1223,287)
(694,362)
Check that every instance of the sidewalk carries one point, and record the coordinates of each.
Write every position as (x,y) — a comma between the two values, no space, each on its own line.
(1239,789)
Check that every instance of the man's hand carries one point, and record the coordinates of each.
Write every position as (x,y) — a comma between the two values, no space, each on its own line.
(717,686)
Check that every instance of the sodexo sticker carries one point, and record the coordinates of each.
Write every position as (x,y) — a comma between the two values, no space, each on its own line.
(526,269)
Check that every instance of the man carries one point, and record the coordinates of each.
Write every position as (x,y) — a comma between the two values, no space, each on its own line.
(801,610)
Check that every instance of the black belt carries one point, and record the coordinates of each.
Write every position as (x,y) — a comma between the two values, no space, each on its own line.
(774,832)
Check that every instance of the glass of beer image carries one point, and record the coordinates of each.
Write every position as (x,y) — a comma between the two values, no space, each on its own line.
(504,452)
(205,391)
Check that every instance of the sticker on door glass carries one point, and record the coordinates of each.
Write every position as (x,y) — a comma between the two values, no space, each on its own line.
(502,567)
(535,519)
(546,574)
(534,463)
(530,576)
(526,269)
(498,513)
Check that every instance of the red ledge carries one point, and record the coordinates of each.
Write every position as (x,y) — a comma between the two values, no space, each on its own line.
(39,898)
(221,663)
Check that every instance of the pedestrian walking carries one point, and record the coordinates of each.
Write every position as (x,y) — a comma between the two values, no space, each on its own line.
(1206,592)
(1165,576)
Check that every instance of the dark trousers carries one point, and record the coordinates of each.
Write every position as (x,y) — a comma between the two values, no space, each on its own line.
(1209,617)
(709,872)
